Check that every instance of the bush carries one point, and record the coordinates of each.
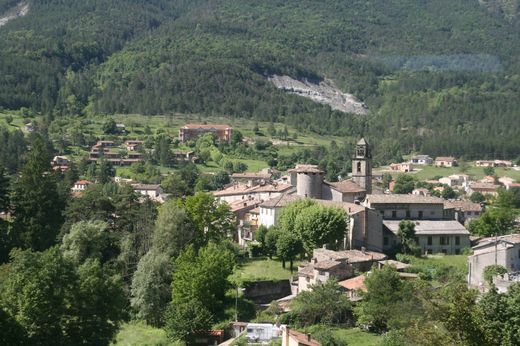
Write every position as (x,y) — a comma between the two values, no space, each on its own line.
(493,270)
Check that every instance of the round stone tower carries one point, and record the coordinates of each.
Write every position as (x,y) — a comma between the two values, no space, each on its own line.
(309,180)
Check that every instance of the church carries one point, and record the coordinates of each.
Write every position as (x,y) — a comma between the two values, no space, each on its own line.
(309,182)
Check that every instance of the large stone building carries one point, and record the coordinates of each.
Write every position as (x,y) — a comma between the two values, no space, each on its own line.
(194,131)
(436,229)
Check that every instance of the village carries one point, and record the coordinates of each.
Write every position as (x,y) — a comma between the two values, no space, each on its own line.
(378,202)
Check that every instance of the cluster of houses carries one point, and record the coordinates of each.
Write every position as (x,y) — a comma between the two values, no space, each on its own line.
(124,155)
(152,191)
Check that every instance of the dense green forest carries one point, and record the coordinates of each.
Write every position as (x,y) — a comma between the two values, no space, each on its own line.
(439,77)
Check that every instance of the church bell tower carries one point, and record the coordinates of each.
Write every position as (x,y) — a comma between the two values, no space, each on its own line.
(362,166)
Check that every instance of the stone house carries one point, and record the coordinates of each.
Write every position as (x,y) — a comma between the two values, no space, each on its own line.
(445,161)
(340,265)
(292,337)
(503,250)
(465,211)
(194,131)
(432,236)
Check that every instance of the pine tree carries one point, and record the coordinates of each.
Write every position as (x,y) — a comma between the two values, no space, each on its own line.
(37,205)
(4,190)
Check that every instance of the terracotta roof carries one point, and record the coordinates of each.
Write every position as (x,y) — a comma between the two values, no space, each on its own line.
(430,227)
(302,339)
(352,256)
(265,176)
(240,189)
(403,199)
(305,169)
(83,182)
(325,265)
(146,186)
(239,205)
(463,205)
(206,126)
(346,186)
(398,265)
(484,186)
(445,158)
(355,283)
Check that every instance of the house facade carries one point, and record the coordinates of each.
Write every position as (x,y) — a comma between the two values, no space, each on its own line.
(432,236)
(421,160)
(445,161)
(193,131)
(503,250)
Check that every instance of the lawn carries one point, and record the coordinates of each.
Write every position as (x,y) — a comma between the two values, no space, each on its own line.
(429,172)
(458,261)
(264,269)
(357,337)
(140,334)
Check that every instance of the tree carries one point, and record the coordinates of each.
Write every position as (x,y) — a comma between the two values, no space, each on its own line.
(260,235)
(406,235)
(236,137)
(477,197)
(404,184)
(493,270)
(490,171)
(288,246)
(324,304)
(463,166)
(213,220)
(4,190)
(37,205)
(271,130)
(387,178)
(12,332)
(497,221)
(109,127)
(448,193)
(105,171)
(388,302)
(57,303)
(8,119)
(271,238)
(151,287)
(256,129)
(174,230)
(175,185)
(186,319)
(202,276)
(508,198)
(239,166)
(88,239)
(318,225)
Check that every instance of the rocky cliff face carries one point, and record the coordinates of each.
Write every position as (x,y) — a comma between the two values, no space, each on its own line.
(325,92)
(19,11)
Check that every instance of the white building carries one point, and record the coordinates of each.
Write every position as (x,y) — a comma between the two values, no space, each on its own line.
(421,160)
(243,192)
(261,332)
(503,250)
(81,185)
(153,191)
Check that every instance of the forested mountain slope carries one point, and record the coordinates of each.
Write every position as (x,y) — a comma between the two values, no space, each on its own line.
(441,77)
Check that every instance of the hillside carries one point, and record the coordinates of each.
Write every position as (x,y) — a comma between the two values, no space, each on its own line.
(437,77)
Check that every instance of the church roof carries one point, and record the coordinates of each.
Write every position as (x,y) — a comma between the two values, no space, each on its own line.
(346,186)
(362,141)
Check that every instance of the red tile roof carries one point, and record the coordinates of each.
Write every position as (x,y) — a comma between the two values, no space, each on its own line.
(206,126)
(355,283)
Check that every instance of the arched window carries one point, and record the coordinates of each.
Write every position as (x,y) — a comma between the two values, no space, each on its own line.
(359,167)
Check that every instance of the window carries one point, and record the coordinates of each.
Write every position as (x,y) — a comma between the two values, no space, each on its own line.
(394,214)
(457,240)
(444,251)
(457,251)
(408,214)
(420,214)
(518,253)
(445,241)
(359,167)
(430,240)
(385,242)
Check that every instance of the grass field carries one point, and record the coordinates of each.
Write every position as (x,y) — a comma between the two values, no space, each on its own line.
(357,337)
(264,269)
(459,261)
(140,334)
(430,172)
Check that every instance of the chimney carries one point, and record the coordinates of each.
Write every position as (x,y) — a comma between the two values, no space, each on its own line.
(308,337)
(363,250)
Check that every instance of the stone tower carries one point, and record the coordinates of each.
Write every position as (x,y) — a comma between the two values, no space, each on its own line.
(309,180)
(362,166)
